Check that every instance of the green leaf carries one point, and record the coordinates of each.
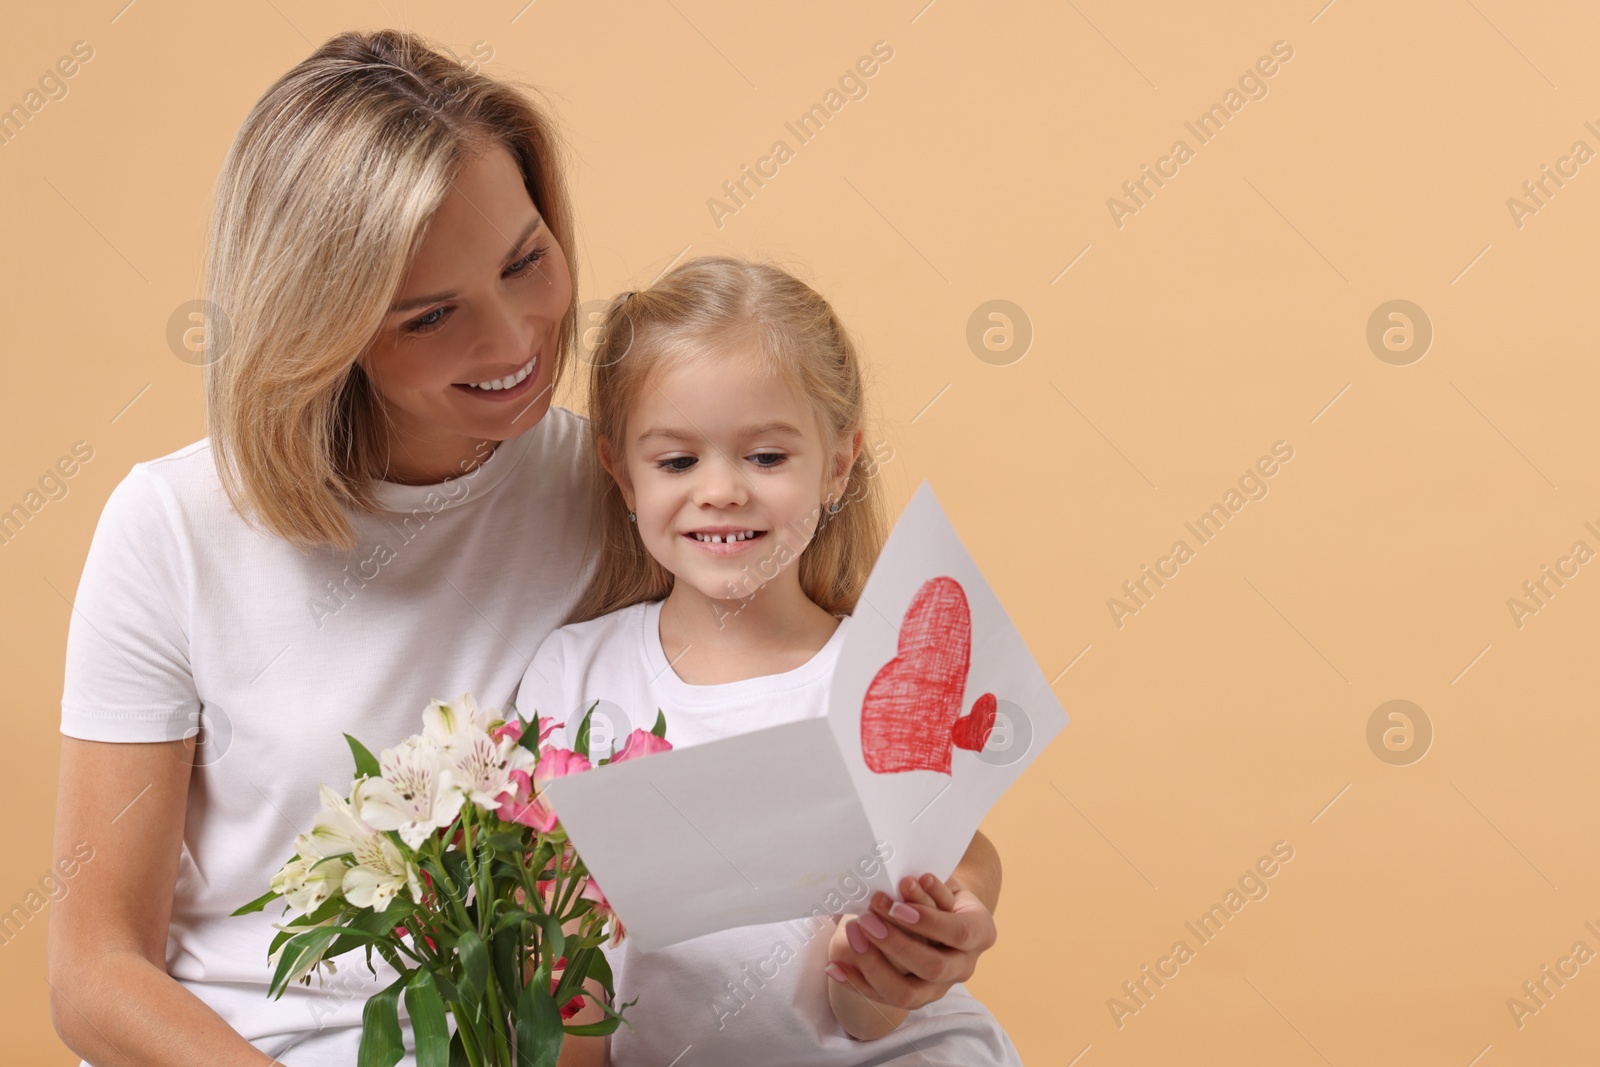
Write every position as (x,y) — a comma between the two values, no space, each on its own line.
(507,841)
(458,1052)
(325,911)
(503,953)
(511,917)
(539,1030)
(572,978)
(600,971)
(599,1029)
(580,744)
(530,735)
(459,875)
(660,728)
(381,1044)
(605,1026)
(426,1009)
(369,927)
(300,949)
(257,904)
(554,947)
(474,982)
(366,764)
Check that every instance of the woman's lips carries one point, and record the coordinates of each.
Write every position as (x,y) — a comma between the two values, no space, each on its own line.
(496,395)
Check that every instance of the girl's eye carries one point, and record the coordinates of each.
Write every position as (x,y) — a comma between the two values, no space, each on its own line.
(435,318)
(667,464)
(776,457)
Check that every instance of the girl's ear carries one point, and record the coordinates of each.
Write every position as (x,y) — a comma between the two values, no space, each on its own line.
(844,461)
(618,470)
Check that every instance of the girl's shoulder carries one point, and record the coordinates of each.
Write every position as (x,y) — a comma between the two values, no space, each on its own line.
(591,637)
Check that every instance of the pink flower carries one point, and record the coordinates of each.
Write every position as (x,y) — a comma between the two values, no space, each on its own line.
(524,803)
(641,743)
(592,891)
(513,730)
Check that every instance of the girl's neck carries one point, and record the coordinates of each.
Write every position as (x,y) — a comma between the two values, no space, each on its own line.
(711,642)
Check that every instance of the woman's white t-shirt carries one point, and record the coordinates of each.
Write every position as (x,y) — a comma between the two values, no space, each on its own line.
(714,1000)
(187,617)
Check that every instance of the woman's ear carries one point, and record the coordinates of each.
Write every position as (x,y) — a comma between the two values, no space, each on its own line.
(617,469)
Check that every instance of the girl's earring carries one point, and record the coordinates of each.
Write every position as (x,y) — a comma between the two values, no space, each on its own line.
(833,508)
(632,517)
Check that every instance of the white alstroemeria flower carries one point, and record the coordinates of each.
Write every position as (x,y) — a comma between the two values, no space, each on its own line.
(442,720)
(517,758)
(306,966)
(380,872)
(417,794)
(306,882)
(338,828)
(479,762)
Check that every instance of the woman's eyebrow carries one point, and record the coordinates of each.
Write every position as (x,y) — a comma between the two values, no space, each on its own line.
(422,301)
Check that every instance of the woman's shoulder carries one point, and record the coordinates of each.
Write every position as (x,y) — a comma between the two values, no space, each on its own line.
(170,490)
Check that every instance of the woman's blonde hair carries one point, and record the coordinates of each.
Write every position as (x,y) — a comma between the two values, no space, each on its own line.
(707,309)
(322,203)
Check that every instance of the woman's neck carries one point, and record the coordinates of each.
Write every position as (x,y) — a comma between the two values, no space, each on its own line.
(711,641)
(415,462)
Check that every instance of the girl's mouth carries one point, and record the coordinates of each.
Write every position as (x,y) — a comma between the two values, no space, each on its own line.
(725,543)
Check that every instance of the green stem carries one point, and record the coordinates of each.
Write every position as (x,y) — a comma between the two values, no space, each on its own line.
(497,1020)
(469,1044)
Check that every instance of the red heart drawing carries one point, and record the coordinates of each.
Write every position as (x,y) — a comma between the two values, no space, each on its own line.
(911,716)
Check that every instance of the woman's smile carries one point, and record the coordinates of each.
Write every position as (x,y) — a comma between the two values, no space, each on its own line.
(507,388)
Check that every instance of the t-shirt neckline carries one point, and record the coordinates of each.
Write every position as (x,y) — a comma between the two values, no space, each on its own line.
(667,680)
(394,496)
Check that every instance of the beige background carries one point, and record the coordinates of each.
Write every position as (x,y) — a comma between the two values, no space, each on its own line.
(1228,313)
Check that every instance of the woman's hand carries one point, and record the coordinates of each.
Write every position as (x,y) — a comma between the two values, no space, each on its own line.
(909,953)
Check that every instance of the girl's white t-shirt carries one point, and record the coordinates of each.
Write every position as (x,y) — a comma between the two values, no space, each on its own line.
(755,994)
(187,617)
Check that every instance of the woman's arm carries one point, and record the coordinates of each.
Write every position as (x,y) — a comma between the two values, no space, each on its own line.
(901,956)
(111,999)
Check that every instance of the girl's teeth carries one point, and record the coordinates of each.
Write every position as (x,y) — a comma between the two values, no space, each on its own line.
(721,539)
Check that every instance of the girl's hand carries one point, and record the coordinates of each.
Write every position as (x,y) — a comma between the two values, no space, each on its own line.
(910,953)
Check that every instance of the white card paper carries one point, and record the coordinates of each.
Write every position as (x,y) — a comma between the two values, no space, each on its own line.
(787,821)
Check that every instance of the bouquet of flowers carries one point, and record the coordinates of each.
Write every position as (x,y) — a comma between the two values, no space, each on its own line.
(448,861)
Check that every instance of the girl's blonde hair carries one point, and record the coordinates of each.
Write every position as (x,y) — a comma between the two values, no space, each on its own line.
(702,310)
(322,203)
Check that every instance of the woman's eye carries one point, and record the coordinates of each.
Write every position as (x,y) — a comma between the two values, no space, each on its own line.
(428,322)
(523,265)
(668,464)
(435,318)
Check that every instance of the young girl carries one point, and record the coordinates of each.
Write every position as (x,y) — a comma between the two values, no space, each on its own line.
(740,520)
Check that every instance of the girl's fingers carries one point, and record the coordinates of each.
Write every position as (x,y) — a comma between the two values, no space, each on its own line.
(911,955)
(911,889)
(940,893)
(879,980)
(909,917)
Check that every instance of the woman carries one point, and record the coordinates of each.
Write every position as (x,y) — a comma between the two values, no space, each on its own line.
(387,509)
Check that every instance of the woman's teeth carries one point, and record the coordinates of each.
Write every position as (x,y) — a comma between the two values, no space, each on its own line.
(509,380)
(725,538)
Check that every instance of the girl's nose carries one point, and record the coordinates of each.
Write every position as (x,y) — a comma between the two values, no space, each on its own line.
(721,483)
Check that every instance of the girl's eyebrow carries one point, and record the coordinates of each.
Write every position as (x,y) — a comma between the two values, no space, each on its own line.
(423,301)
(777,426)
